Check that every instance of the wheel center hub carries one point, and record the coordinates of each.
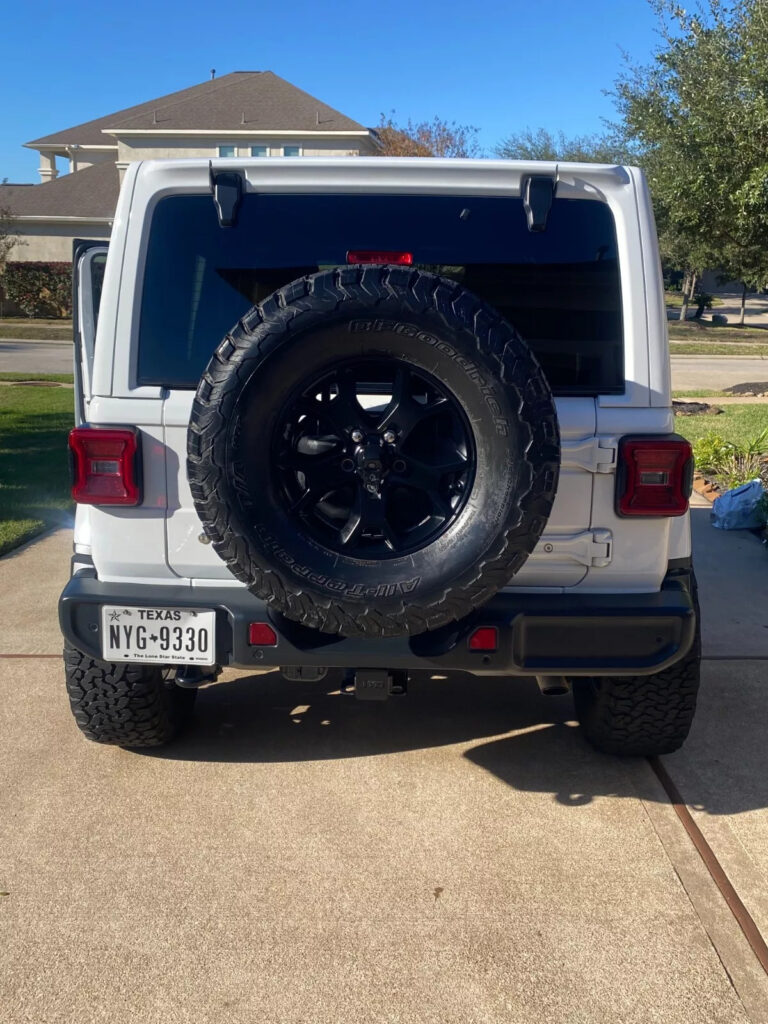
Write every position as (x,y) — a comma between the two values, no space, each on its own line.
(370,467)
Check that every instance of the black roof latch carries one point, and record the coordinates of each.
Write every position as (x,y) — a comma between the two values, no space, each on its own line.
(227,191)
(538,194)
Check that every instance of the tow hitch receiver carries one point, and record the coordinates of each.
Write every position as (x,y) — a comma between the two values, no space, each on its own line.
(375,683)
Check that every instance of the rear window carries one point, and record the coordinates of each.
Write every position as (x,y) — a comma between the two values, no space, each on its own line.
(559,288)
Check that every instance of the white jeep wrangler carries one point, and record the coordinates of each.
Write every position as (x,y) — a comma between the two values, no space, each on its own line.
(378,415)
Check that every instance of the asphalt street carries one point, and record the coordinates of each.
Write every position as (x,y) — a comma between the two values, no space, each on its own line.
(35,356)
(688,372)
(459,854)
(714,372)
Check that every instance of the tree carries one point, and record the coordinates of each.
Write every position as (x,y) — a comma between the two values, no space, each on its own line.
(541,144)
(8,236)
(698,116)
(427,138)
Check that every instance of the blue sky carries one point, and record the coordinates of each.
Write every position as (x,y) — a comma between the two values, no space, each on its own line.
(500,66)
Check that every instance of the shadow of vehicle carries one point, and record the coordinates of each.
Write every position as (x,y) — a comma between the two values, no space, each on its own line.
(530,742)
(263,718)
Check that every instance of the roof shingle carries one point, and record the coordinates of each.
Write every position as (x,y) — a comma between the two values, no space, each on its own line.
(89,193)
(241,100)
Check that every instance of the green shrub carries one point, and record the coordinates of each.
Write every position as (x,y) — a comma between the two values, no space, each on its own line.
(39,289)
(733,464)
(708,452)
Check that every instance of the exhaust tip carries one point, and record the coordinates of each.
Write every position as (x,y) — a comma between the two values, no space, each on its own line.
(554,686)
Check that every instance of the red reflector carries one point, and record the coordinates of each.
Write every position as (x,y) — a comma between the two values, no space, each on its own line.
(485,638)
(655,476)
(104,466)
(400,259)
(261,634)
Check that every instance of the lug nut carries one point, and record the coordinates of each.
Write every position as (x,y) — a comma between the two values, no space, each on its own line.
(399,465)
(357,436)
(389,436)
(347,465)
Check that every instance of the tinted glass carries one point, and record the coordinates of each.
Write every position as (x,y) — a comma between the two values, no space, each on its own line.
(559,288)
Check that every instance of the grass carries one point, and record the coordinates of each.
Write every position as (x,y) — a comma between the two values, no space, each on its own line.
(34,471)
(702,393)
(709,333)
(675,300)
(60,378)
(707,348)
(736,423)
(44,330)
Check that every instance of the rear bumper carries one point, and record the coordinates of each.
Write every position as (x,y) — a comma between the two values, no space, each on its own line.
(538,634)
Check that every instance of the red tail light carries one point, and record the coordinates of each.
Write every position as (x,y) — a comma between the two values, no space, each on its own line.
(655,475)
(105,466)
(400,259)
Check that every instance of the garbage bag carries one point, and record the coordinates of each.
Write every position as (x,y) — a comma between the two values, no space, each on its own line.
(742,508)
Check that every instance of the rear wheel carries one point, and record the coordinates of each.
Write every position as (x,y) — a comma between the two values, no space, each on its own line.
(641,716)
(125,704)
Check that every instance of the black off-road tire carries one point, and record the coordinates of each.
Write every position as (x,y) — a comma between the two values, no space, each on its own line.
(126,705)
(382,312)
(641,716)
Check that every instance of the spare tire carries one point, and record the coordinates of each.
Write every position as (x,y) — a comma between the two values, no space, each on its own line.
(373,451)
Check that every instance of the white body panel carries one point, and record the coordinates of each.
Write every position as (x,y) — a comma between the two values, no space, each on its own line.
(586,546)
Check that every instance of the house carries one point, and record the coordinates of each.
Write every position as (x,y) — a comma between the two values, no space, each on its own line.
(245,113)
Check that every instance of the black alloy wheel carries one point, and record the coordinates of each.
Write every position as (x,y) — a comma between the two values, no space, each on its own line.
(373,458)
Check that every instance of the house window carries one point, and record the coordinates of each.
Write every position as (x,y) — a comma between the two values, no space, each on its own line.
(291,150)
(227,151)
(259,150)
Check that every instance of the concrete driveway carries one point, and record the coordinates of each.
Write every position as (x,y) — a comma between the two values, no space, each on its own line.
(458,855)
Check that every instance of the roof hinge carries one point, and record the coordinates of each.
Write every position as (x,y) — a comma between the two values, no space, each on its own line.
(538,191)
(227,191)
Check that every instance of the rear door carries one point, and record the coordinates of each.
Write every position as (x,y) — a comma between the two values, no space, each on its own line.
(88,261)
(560,288)
(563,557)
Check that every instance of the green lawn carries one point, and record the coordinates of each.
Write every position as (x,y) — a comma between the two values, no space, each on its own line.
(736,423)
(702,393)
(693,331)
(26,327)
(34,469)
(62,378)
(675,300)
(708,348)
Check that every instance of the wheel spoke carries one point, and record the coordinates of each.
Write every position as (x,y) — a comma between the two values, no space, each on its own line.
(427,474)
(343,411)
(403,413)
(428,477)
(368,512)
(322,474)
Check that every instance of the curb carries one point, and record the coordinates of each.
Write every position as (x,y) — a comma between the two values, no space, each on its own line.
(705,487)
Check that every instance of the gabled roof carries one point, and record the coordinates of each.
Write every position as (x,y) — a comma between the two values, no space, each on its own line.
(241,100)
(89,194)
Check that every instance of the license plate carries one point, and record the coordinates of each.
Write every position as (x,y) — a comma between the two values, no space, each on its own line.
(161,636)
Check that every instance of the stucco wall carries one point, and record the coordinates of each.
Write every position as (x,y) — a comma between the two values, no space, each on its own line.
(164,148)
(86,157)
(48,241)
